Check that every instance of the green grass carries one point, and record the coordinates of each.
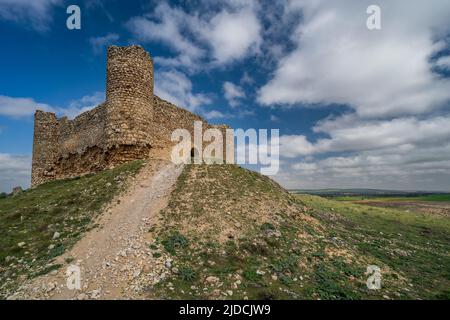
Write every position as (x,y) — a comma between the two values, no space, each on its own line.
(265,258)
(33,216)
(431,197)
(415,245)
(296,247)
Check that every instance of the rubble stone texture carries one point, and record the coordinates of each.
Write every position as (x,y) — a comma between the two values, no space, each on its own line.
(131,124)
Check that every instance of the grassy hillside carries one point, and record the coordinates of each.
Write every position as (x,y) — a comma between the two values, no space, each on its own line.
(230,233)
(234,234)
(39,224)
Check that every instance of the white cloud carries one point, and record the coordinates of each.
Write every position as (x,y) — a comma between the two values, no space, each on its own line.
(202,38)
(83,104)
(396,132)
(168,25)
(377,73)
(368,135)
(443,62)
(175,87)
(21,107)
(408,168)
(215,114)
(233,93)
(233,35)
(100,43)
(15,170)
(26,107)
(37,13)
(402,153)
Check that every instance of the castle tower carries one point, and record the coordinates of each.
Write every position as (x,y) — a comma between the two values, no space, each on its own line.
(129,98)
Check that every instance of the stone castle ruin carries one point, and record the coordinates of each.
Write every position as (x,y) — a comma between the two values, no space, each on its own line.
(131,124)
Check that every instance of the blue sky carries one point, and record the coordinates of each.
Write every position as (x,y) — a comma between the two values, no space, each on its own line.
(355,108)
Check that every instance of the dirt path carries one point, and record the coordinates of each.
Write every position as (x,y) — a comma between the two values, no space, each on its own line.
(115,259)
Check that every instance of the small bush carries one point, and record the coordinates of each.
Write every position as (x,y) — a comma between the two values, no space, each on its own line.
(174,242)
(267,226)
(287,264)
(251,275)
(56,251)
(285,280)
(187,274)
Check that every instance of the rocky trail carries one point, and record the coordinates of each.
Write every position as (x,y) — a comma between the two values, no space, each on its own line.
(114,258)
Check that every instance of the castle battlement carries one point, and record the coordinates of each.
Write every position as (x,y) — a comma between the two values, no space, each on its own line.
(131,124)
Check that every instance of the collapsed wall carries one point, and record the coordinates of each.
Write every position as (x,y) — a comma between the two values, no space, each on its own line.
(131,124)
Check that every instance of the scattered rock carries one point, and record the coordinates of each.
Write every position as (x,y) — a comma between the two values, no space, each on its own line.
(56,235)
(95,294)
(82,296)
(21,244)
(50,286)
(212,280)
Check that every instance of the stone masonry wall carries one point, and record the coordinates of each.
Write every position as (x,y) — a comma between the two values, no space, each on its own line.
(129,96)
(131,124)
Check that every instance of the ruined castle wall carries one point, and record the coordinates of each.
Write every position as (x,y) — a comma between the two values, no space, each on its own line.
(168,117)
(45,146)
(64,148)
(131,124)
(86,130)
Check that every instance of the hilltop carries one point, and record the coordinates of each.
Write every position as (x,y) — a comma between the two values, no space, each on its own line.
(212,232)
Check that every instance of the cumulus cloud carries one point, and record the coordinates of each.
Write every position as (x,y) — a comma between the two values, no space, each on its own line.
(369,135)
(36,14)
(232,35)
(405,168)
(378,73)
(21,107)
(99,44)
(15,170)
(443,63)
(402,153)
(215,114)
(26,107)
(208,36)
(168,25)
(233,93)
(83,104)
(176,87)
(395,134)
